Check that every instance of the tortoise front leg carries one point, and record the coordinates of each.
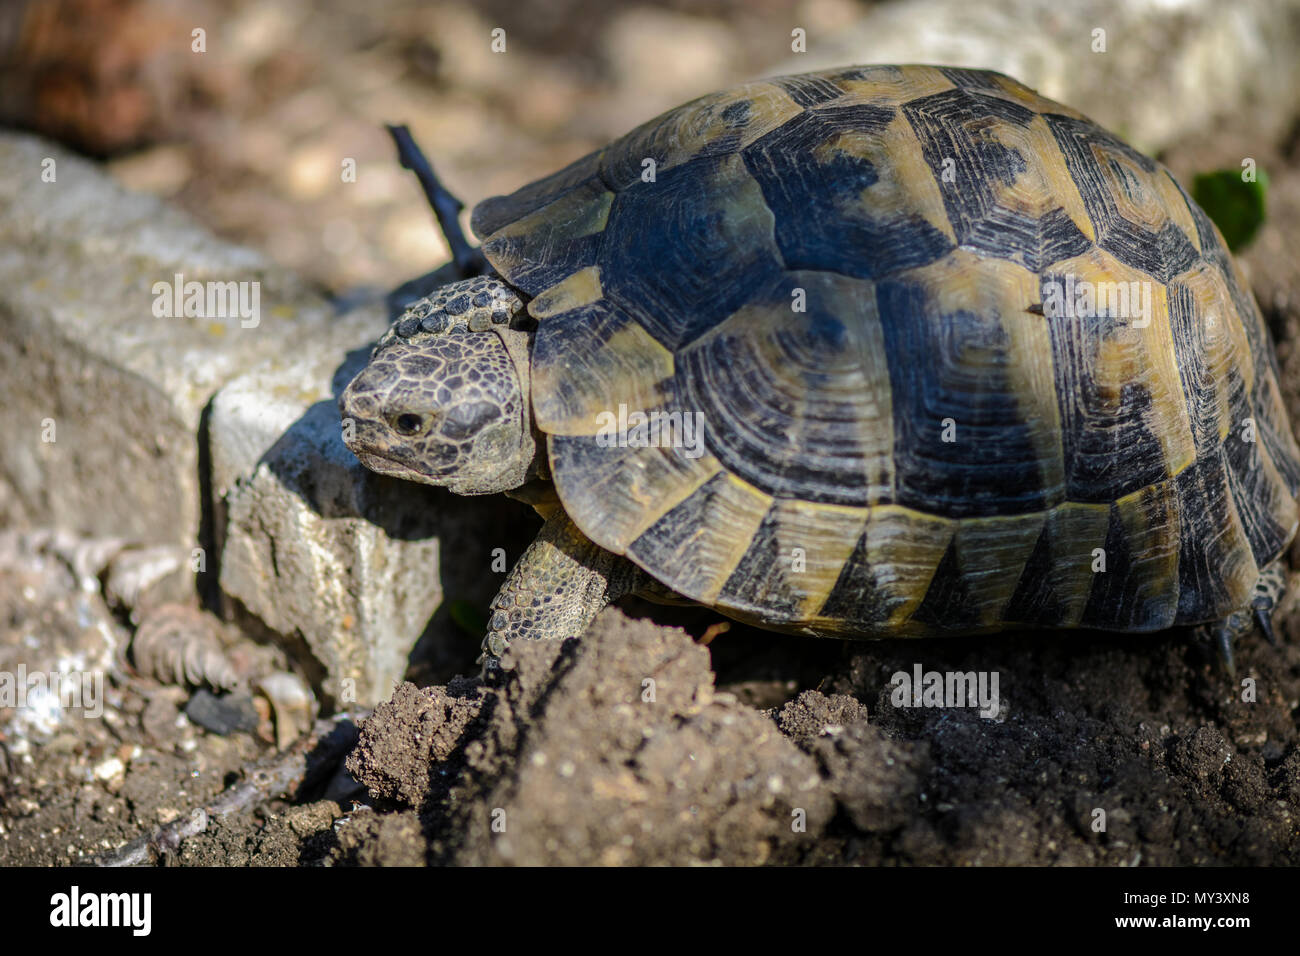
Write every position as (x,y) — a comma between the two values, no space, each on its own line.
(558,587)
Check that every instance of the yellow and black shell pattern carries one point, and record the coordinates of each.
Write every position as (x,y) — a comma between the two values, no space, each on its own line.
(930,444)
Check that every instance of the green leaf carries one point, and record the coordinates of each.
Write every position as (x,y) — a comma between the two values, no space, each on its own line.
(1236,207)
(469,617)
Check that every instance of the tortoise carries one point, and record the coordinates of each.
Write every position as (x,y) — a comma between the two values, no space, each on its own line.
(875,352)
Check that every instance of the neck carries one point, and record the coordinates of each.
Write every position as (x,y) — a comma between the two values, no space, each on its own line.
(519,346)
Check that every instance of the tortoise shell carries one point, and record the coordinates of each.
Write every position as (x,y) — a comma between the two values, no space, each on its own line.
(935,441)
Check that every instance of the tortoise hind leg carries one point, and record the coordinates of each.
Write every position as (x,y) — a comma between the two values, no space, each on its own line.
(1268,594)
(558,587)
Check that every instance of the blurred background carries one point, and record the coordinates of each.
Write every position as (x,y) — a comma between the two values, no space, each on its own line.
(249,133)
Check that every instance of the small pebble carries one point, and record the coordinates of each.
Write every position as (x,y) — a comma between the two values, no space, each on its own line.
(110,768)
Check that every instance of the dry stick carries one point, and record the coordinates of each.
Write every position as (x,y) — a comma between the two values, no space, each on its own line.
(300,766)
(468,259)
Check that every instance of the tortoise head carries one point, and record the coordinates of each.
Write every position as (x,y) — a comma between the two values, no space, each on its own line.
(445,408)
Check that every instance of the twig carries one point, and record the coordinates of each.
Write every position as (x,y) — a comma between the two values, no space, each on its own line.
(295,769)
(468,259)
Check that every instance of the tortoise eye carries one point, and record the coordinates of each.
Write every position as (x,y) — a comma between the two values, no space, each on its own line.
(408,423)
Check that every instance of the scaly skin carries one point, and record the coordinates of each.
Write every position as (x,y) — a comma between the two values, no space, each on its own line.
(557,588)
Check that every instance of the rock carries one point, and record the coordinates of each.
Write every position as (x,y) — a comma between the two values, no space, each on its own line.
(223,715)
(216,429)
(102,75)
(106,445)
(323,551)
(308,544)
(1166,70)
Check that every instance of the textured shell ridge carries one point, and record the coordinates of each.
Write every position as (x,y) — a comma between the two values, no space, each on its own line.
(943,454)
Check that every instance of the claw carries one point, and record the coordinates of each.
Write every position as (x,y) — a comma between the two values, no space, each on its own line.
(1265,622)
(1223,636)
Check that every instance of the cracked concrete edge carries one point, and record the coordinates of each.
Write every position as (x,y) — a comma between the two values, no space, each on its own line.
(85,360)
(123,416)
(311,544)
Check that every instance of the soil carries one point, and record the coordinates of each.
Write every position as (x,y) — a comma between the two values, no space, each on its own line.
(577,766)
(754,749)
